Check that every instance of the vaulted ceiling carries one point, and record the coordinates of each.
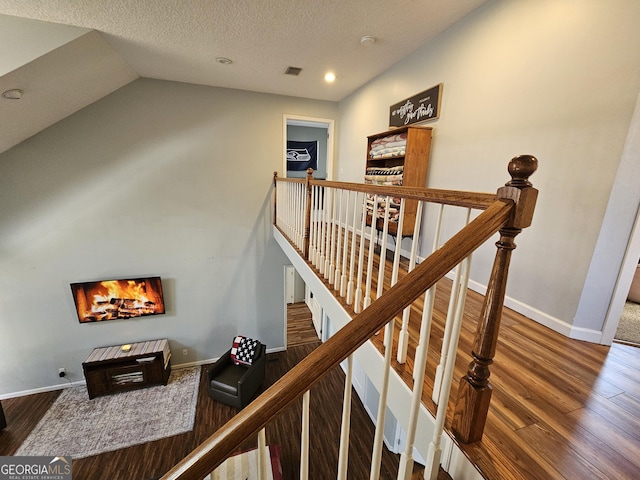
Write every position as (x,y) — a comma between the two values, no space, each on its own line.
(67,54)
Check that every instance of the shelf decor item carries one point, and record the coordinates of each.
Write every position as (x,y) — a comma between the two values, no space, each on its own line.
(422,107)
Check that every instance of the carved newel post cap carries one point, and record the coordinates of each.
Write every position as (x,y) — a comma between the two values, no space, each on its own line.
(310,172)
(521,168)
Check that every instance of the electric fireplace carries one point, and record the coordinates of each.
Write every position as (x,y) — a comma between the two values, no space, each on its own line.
(118,299)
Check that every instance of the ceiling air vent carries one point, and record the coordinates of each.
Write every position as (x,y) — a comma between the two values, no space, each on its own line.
(295,71)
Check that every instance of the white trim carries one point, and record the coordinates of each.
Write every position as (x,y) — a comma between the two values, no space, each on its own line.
(542,318)
(60,386)
(299,120)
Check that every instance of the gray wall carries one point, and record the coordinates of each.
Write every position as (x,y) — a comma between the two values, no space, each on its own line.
(556,79)
(158,178)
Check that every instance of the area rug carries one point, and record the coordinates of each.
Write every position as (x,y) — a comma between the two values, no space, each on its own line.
(629,325)
(244,466)
(78,427)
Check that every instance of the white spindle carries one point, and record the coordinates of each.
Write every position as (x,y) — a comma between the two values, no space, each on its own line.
(403,336)
(376,456)
(304,440)
(301,212)
(343,457)
(434,452)
(357,305)
(372,240)
(327,251)
(262,455)
(323,235)
(352,260)
(296,218)
(337,274)
(342,284)
(456,290)
(318,222)
(332,263)
(312,226)
(382,258)
(398,247)
(419,366)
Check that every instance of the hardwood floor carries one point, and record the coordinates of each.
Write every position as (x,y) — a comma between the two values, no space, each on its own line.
(153,459)
(561,408)
(300,329)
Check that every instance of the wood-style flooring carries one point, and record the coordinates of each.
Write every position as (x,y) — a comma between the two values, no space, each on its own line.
(300,329)
(151,460)
(561,408)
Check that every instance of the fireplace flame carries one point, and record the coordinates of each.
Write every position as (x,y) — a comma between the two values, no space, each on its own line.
(114,299)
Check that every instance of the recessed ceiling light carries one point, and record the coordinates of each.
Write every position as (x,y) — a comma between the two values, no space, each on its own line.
(368,40)
(13,94)
(330,77)
(224,60)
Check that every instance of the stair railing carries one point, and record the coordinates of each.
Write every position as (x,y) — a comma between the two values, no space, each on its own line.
(317,216)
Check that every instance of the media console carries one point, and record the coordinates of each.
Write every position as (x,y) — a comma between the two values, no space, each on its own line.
(127,367)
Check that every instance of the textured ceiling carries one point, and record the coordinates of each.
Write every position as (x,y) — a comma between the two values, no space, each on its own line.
(180,39)
(102,45)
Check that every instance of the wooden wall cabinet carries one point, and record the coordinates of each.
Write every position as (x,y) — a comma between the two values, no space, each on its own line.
(415,161)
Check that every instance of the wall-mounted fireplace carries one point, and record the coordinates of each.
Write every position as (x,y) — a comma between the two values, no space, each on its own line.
(118,299)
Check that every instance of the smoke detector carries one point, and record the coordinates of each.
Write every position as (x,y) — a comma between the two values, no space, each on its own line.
(368,40)
(13,94)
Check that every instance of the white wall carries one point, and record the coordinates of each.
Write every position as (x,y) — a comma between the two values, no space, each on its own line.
(553,78)
(158,178)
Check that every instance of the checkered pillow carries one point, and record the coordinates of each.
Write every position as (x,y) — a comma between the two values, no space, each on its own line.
(243,350)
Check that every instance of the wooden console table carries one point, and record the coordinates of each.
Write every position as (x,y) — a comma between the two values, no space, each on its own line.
(127,367)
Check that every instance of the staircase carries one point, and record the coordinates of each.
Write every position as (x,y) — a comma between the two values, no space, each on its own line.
(331,238)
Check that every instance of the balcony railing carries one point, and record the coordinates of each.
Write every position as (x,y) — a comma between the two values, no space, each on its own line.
(340,229)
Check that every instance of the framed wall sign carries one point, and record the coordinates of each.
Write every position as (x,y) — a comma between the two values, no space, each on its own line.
(423,107)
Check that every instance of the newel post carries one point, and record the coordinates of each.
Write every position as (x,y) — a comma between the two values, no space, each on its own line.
(307,214)
(275,198)
(474,393)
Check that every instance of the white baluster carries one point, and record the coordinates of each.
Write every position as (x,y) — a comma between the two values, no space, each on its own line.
(263,456)
(448,327)
(304,440)
(337,274)
(312,226)
(350,285)
(343,457)
(434,452)
(357,305)
(382,259)
(342,285)
(323,233)
(376,456)
(372,240)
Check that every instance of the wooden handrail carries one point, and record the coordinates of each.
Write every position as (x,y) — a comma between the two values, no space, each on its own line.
(309,371)
(456,198)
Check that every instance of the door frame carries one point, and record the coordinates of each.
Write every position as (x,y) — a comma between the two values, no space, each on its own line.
(314,122)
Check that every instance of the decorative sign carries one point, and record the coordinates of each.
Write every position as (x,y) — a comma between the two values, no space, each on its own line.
(424,106)
(302,155)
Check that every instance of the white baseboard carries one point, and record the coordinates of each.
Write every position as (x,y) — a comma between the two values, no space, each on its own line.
(543,318)
(60,386)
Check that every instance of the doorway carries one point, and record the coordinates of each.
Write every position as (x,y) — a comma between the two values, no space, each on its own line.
(310,129)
